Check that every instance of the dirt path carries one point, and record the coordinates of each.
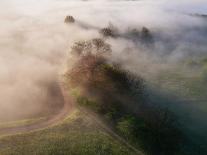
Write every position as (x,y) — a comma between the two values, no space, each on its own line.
(67,108)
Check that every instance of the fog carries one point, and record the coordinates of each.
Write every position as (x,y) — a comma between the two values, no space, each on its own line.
(35,43)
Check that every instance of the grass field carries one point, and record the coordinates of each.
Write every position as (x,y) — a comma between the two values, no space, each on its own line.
(76,135)
(24,122)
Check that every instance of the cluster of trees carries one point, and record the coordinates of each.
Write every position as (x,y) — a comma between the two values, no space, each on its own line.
(120,97)
(143,36)
(107,32)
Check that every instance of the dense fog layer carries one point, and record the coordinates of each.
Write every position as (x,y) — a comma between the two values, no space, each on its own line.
(34,44)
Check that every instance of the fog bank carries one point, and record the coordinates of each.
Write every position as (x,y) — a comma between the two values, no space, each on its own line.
(34,43)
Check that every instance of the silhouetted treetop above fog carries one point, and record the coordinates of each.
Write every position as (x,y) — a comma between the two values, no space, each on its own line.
(96,47)
(143,35)
(69,19)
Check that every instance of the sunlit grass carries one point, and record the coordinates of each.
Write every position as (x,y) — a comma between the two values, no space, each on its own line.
(21,122)
(76,135)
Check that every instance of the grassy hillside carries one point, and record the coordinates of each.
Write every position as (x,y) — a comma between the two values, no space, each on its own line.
(188,78)
(77,135)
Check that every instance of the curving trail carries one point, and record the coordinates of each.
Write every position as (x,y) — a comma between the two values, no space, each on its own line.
(53,120)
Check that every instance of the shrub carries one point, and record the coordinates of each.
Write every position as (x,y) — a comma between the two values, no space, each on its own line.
(126,125)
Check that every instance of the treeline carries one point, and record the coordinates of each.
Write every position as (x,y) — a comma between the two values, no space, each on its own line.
(120,97)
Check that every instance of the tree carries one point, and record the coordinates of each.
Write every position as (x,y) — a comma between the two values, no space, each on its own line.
(107,32)
(96,47)
(146,36)
(69,19)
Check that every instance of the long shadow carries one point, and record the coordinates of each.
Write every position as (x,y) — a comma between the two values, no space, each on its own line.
(192,120)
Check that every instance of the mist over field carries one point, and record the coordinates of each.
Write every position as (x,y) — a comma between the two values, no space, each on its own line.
(35,43)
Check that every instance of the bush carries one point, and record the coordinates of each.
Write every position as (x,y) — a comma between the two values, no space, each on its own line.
(126,126)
